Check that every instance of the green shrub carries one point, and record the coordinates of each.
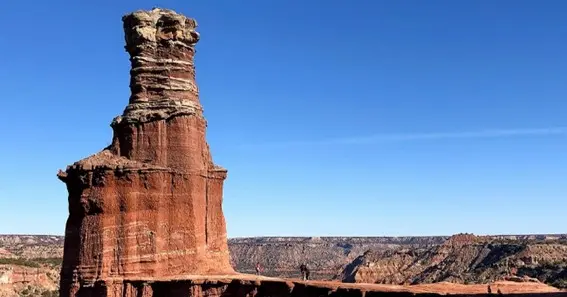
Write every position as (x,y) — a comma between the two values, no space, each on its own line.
(49,261)
(35,263)
(19,261)
(560,283)
(53,293)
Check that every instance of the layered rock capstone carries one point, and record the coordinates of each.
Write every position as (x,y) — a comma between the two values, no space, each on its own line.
(150,204)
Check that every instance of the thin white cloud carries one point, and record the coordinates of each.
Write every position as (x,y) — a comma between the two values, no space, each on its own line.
(392,138)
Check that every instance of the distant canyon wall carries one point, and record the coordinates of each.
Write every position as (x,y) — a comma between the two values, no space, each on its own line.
(325,256)
(279,256)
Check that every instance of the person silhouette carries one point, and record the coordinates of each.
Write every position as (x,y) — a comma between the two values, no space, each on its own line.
(258,268)
(304,272)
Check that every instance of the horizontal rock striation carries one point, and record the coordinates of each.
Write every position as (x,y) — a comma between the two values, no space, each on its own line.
(325,256)
(150,204)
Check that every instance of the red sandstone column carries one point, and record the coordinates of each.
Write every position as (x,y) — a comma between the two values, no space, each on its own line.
(150,205)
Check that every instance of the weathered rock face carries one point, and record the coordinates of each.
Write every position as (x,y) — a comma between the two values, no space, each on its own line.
(463,259)
(11,274)
(326,256)
(17,280)
(150,204)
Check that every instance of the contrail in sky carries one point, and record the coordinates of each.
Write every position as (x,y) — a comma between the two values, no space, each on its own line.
(392,138)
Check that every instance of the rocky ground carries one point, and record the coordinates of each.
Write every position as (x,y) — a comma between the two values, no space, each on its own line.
(246,285)
(29,265)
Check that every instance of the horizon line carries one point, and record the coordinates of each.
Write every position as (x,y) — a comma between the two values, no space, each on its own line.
(346,236)
(405,137)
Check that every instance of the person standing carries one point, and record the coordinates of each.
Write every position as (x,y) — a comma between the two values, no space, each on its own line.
(258,268)
(304,272)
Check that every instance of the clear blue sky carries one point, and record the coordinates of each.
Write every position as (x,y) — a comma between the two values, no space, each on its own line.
(333,117)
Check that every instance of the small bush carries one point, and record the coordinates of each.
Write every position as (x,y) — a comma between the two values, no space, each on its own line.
(560,283)
(53,293)
(49,261)
(19,261)
(34,263)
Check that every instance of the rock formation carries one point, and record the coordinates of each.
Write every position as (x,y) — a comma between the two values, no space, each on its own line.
(281,256)
(465,259)
(150,204)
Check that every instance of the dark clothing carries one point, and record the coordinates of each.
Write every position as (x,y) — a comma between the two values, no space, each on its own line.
(304,271)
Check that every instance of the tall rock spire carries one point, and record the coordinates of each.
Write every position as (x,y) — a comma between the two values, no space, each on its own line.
(149,205)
